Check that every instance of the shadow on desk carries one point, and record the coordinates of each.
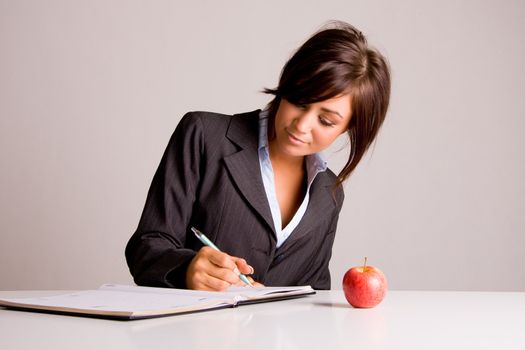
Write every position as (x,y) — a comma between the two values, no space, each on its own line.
(332,305)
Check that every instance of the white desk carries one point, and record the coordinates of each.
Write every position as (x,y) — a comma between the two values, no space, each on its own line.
(405,320)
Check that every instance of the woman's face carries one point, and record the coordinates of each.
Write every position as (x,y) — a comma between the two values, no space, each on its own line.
(307,129)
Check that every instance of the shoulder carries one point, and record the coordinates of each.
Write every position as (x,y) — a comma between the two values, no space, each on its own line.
(205,120)
(217,121)
(241,128)
(337,192)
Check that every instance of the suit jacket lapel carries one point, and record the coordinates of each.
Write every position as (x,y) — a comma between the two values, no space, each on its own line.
(320,201)
(244,165)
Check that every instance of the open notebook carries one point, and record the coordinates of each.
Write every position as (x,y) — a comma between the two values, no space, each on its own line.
(132,302)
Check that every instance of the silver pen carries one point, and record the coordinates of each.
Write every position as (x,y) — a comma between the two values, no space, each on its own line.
(206,241)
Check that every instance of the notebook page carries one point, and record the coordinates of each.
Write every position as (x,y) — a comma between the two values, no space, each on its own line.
(168,291)
(117,301)
(232,293)
(247,293)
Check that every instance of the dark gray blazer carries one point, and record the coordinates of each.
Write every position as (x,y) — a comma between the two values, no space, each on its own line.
(209,177)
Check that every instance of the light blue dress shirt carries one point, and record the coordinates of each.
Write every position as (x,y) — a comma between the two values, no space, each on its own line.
(314,165)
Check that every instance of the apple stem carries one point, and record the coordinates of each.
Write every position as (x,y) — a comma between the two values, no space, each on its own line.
(364,266)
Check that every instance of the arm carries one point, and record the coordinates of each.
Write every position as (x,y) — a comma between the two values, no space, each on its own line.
(159,253)
(156,253)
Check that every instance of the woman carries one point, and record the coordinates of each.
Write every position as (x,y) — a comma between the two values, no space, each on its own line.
(255,182)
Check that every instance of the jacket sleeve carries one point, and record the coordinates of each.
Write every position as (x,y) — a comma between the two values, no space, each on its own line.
(156,253)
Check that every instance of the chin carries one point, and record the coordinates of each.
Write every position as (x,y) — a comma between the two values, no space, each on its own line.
(295,153)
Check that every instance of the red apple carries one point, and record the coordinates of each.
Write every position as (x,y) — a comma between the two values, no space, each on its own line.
(364,286)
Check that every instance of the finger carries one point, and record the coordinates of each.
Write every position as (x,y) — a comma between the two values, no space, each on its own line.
(221,259)
(201,286)
(208,268)
(212,278)
(242,284)
(243,266)
(224,274)
(252,281)
(203,276)
(215,284)
(255,284)
(202,268)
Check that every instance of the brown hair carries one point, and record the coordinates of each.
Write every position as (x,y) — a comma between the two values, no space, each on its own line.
(334,61)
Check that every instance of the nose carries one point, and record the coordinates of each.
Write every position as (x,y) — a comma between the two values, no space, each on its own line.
(302,123)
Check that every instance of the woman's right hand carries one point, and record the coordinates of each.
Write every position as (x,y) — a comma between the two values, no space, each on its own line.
(215,271)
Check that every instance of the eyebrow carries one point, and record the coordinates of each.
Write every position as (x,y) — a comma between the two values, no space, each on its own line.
(331,111)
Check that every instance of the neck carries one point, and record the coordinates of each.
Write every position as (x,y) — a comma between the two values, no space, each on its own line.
(278,157)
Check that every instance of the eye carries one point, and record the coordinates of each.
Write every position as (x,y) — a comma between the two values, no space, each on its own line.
(325,121)
(301,106)
(304,107)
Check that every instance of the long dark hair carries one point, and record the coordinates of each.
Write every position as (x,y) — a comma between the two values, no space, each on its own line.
(334,61)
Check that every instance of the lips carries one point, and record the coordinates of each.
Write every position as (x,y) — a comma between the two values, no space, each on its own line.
(294,138)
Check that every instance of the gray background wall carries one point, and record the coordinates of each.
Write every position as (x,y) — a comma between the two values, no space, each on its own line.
(90,92)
